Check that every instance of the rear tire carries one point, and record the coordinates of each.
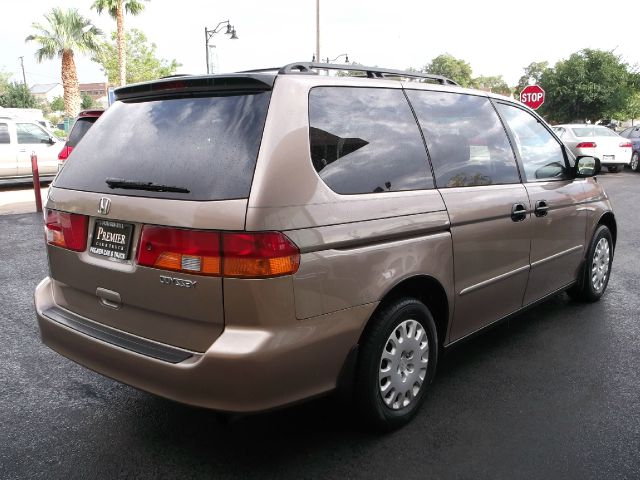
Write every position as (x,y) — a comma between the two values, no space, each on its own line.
(597,268)
(635,162)
(613,168)
(396,364)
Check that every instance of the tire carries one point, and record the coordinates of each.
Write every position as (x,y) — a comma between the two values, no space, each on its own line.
(635,162)
(389,386)
(596,271)
(613,168)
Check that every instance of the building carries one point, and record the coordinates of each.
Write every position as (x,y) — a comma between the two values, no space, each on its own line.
(94,90)
(47,91)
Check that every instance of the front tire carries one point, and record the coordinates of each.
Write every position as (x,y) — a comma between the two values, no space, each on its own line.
(635,162)
(396,364)
(597,268)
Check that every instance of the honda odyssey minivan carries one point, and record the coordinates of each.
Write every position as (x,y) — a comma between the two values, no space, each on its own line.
(246,241)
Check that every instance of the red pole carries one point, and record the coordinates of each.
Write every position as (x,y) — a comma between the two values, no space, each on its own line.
(36,181)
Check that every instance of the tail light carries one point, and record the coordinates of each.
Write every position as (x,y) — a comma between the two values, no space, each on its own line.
(626,144)
(64,153)
(66,230)
(239,255)
(586,145)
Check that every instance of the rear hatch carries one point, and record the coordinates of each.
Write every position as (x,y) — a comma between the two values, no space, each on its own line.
(134,217)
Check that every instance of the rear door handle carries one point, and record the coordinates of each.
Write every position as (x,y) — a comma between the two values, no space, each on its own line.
(542,208)
(518,212)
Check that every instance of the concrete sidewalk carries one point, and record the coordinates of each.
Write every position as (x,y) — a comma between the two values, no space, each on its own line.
(19,200)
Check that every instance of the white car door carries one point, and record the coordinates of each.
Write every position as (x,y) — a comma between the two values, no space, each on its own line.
(8,161)
(32,138)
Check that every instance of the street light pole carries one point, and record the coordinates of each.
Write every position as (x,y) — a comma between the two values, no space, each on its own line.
(209,33)
(317,30)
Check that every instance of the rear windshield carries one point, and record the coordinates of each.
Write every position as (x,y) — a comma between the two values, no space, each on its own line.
(583,132)
(207,145)
(81,127)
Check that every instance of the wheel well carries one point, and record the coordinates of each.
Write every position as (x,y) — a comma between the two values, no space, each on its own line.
(609,220)
(430,292)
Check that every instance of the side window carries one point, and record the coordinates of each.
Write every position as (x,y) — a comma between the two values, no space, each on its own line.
(635,133)
(541,154)
(4,133)
(366,140)
(465,138)
(30,133)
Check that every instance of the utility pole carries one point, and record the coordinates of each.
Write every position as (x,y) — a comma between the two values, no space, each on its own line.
(24,78)
(317,30)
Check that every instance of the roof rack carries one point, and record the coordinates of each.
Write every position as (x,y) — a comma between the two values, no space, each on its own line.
(309,68)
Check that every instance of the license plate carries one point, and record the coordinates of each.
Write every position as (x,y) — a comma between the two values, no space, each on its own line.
(111,239)
(608,158)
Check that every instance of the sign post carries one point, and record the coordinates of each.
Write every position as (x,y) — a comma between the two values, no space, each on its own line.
(532,96)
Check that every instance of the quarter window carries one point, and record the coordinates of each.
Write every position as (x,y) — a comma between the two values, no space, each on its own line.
(466,141)
(4,133)
(541,154)
(366,140)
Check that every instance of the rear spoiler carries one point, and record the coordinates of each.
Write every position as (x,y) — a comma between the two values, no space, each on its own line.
(241,83)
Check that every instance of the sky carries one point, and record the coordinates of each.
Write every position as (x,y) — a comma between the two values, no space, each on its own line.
(492,38)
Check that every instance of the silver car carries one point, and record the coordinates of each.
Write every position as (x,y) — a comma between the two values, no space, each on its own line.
(613,150)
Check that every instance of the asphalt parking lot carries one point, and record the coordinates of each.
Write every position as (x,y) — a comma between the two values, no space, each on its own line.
(555,393)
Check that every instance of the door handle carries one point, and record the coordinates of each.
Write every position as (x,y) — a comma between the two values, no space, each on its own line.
(518,212)
(23,150)
(542,207)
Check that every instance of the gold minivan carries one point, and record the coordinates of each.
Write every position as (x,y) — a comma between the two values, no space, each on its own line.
(246,241)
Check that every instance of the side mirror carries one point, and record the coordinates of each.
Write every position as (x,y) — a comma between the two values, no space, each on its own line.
(587,166)
(49,141)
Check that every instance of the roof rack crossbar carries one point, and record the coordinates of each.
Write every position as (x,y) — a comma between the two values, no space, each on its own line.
(371,72)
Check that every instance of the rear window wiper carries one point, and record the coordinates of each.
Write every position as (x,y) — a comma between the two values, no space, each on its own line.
(137,185)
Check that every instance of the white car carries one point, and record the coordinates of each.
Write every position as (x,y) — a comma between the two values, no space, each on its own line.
(613,150)
(18,139)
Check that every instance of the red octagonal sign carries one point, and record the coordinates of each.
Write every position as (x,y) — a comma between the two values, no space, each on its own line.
(532,96)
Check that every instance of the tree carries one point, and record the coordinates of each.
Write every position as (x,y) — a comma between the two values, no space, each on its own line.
(532,75)
(143,63)
(116,9)
(4,81)
(87,102)
(57,104)
(495,84)
(632,110)
(65,33)
(589,85)
(17,95)
(454,68)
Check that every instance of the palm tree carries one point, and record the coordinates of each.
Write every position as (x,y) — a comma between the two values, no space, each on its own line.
(66,32)
(116,9)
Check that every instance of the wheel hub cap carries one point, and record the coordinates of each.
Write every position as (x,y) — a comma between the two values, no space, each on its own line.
(403,366)
(600,264)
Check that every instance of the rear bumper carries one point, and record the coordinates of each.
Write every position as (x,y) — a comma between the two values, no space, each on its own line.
(244,370)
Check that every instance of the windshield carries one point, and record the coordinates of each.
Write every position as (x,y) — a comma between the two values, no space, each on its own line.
(207,145)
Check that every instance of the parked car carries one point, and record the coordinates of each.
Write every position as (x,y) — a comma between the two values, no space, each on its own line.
(83,122)
(246,241)
(633,135)
(19,138)
(613,150)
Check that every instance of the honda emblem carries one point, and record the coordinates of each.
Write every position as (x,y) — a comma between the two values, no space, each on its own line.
(104,206)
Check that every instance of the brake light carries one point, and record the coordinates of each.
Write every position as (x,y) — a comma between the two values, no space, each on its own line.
(586,145)
(626,144)
(66,230)
(256,255)
(239,255)
(64,153)
(189,251)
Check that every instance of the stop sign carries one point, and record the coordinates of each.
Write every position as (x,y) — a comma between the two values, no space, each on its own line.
(532,96)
